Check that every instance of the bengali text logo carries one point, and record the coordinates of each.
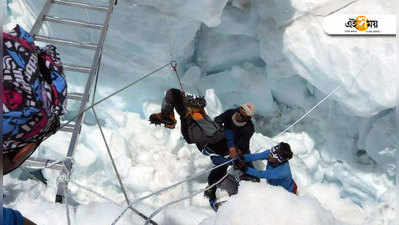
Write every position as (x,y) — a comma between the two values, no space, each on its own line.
(362,24)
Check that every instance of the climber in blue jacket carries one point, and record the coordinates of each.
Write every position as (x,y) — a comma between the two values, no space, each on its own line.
(277,171)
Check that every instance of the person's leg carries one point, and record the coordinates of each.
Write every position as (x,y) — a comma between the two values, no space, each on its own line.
(173,100)
(214,176)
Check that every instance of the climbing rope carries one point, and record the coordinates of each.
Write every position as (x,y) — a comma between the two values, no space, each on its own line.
(95,193)
(174,66)
(171,186)
(116,170)
(115,93)
(308,112)
(111,157)
(184,198)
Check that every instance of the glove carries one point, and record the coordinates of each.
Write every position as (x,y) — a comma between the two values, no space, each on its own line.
(240,164)
(233,152)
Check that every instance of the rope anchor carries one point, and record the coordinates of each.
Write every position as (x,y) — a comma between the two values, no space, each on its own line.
(173,63)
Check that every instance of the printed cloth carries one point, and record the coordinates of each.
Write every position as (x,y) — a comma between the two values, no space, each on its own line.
(34,91)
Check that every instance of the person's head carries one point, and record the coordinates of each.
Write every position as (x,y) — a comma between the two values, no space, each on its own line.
(243,114)
(280,153)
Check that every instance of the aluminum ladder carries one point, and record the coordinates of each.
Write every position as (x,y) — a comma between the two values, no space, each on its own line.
(83,98)
(91,70)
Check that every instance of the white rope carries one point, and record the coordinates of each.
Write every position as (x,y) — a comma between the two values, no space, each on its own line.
(169,187)
(116,171)
(184,198)
(95,193)
(111,157)
(68,175)
(307,113)
(116,92)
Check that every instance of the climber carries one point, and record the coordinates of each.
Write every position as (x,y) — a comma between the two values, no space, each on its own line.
(277,171)
(196,127)
(238,130)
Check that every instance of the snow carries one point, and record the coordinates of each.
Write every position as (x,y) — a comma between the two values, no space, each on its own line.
(271,53)
(273,205)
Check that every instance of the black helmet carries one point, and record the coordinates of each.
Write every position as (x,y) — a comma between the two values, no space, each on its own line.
(282,152)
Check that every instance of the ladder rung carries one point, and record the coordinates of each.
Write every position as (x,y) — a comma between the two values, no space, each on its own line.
(75,96)
(68,128)
(82,69)
(38,162)
(81,4)
(73,22)
(58,41)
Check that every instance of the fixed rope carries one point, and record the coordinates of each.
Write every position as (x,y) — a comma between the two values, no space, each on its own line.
(116,171)
(308,112)
(115,93)
(171,186)
(174,66)
(184,198)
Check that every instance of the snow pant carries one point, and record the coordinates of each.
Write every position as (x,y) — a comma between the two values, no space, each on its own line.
(174,99)
(219,148)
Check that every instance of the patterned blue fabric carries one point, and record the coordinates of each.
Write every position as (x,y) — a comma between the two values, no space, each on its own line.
(35,91)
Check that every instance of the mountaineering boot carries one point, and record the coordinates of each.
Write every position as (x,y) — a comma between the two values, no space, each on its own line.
(248,177)
(211,194)
(159,118)
(213,204)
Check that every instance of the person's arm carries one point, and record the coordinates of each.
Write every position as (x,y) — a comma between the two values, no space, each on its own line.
(275,173)
(229,135)
(257,173)
(9,164)
(256,156)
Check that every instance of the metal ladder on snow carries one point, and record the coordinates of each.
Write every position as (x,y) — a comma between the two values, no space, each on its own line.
(75,127)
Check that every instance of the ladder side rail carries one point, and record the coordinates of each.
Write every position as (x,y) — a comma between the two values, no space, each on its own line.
(85,99)
(39,20)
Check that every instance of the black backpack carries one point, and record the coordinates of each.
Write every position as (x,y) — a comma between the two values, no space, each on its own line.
(201,129)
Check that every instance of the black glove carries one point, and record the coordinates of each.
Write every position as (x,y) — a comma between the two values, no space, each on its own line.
(240,164)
